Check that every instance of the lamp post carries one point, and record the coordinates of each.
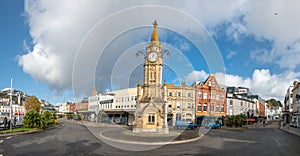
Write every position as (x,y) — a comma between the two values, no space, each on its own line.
(10,111)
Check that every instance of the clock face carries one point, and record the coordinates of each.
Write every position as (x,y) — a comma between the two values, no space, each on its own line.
(152,56)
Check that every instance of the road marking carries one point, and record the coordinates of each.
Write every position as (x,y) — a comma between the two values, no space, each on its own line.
(239,140)
(1,142)
(8,137)
(278,142)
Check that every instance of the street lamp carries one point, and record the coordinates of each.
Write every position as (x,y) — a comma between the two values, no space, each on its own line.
(10,110)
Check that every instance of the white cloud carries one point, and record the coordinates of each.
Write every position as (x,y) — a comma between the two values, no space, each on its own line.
(236,30)
(57,29)
(262,82)
(231,54)
(196,76)
(277,22)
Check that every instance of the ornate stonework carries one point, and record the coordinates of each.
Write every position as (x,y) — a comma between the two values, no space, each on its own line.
(151,111)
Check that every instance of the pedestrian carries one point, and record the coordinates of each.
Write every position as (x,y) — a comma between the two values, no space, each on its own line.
(15,121)
(9,122)
(5,122)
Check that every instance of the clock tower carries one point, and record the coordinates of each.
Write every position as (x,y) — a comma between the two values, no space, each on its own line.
(151,111)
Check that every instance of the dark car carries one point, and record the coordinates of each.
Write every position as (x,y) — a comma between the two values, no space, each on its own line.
(185,125)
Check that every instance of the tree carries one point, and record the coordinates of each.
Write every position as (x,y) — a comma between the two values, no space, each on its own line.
(236,120)
(49,118)
(272,103)
(33,119)
(32,103)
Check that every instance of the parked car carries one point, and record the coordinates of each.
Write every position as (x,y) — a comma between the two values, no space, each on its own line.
(213,125)
(185,125)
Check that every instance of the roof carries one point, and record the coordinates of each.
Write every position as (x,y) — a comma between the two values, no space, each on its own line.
(154,36)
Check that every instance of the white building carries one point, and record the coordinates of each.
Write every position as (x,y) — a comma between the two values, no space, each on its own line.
(62,108)
(98,104)
(116,106)
(238,102)
(125,99)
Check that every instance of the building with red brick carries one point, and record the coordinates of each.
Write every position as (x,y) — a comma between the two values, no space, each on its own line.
(210,100)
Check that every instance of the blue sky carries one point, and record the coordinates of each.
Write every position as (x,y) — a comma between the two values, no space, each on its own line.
(57,50)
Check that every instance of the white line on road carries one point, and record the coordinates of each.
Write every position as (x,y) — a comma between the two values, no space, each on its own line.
(239,140)
(278,142)
(1,142)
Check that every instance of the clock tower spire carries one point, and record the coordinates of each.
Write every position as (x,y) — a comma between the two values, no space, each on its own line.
(154,36)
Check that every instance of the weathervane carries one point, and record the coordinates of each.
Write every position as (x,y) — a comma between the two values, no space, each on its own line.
(155,23)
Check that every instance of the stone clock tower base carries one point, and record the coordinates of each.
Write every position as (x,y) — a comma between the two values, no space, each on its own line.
(151,119)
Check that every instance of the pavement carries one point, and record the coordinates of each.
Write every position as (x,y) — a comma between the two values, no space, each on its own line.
(174,137)
(290,129)
(123,134)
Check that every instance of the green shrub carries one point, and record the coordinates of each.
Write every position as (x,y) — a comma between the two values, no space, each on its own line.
(48,117)
(33,119)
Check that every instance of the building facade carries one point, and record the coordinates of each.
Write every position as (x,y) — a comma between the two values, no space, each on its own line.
(296,104)
(210,100)
(124,106)
(180,103)
(97,106)
(238,102)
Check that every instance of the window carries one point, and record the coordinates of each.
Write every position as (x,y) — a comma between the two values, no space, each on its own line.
(178,105)
(217,108)
(222,108)
(178,116)
(205,107)
(199,107)
(170,93)
(178,94)
(212,95)
(170,104)
(212,106)
(231,102)
(222,96)
(188,105)
(188,94)
(199,95)
(151,117)
(241,103)
(205,95)
(218,97)
(188,115)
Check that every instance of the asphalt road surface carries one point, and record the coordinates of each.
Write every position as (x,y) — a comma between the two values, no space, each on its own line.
(77,139)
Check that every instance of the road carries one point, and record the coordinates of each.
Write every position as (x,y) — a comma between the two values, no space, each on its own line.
(76,139)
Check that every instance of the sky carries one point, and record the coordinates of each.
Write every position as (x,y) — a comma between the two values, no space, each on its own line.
(59,50)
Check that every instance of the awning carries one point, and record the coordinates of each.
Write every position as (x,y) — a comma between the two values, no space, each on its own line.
(251,120)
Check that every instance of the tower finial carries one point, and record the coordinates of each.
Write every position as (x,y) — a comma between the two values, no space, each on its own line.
(155,23)
(154,36)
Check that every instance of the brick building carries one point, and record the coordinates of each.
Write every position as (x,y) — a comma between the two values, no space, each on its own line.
(210,100)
